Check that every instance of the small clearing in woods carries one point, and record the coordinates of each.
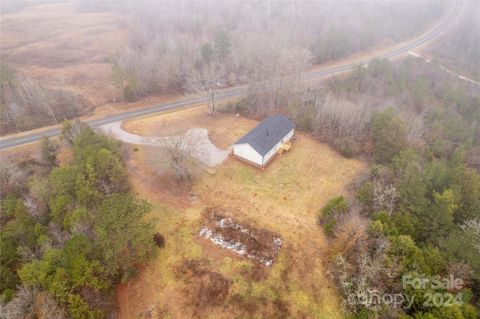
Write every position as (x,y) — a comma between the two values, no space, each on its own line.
(284,199)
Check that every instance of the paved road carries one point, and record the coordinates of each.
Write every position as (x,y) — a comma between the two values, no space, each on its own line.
(10,142)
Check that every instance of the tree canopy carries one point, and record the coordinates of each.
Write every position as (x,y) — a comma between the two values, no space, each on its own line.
(94,234)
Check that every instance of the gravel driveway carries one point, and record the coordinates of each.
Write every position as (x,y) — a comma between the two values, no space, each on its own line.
(202,147)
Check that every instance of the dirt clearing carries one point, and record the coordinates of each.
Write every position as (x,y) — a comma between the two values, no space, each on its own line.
(260,245)
(211,288)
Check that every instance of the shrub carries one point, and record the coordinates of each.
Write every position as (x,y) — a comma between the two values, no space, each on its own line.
(49,152)
(240,107)
(129,93)
(331,212)
(389,136)
(365,196)
(348,147)
(159,240)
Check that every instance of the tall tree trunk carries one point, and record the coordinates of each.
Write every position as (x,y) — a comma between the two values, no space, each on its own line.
(213,100)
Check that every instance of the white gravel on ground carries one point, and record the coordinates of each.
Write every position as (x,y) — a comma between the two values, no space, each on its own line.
(202,147)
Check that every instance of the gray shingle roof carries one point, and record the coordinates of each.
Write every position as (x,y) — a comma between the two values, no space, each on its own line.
(267,134)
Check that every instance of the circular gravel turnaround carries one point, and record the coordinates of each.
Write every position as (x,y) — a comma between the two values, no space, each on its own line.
(196,138)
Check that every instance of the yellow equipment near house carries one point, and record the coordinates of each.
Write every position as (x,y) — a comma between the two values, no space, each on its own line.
(285,147)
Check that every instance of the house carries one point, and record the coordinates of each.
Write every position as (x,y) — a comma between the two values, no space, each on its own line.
(260,144)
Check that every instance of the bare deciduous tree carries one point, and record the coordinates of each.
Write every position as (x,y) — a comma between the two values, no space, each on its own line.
(12,177)
(360,269)
(338,118)
(350,232)
(472,227)
(35,207)
(84,228)
(21,306)
(27,104)
(51,309)
(58,235)
(206,79)
(461,270)
(174,158)
(71,129)
(178,152)
(26,254)
(385,197)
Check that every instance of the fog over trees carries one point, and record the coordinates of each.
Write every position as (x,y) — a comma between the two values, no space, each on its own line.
(459,48)
(256,41)
(173,45)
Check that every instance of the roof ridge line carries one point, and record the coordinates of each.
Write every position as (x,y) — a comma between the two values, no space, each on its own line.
(260,132)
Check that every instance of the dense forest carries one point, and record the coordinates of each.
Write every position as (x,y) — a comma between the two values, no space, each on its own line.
(69,234)
(418,211)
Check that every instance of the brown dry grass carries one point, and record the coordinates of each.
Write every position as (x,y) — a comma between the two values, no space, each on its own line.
(63,48)
(117,107)
(284,198)
(223,129)
(21,153)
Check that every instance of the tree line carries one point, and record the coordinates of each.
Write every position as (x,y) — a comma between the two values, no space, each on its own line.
(26,104)
(414,216)
(178,47)
(417,213)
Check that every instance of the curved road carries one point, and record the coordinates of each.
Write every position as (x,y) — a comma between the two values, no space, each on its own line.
(14,141)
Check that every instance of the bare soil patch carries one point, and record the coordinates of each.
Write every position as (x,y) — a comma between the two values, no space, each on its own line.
(210,288)
(260,245)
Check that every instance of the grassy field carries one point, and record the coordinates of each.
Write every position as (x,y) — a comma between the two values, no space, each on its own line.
(65,49)
(284,198)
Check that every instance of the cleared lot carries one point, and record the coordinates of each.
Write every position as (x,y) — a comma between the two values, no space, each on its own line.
(284,199)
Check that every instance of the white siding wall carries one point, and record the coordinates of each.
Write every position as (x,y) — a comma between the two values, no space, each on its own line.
(247,152)
(272,152)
